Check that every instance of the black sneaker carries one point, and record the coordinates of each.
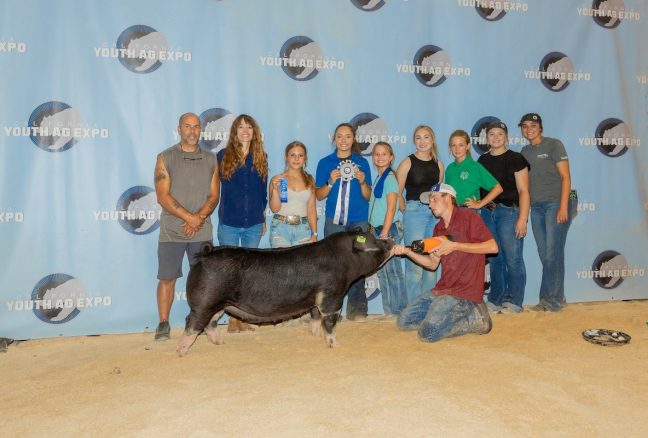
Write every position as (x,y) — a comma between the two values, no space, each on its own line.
(540,307)
(357,318)
(163,331)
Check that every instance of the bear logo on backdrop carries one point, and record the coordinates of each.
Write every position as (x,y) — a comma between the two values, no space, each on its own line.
(142,49)
(370,129)
(433,61)
(368,5)
(301,54)
(55,298)
(478,134)
(216,124)
(490,13)
(613,137)
(53,126)
(608,13)
(145,48)
(609,267)
(558,68)
(138,210)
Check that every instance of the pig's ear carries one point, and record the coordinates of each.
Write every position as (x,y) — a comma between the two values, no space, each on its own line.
(359,243)
(365,242)
(206,248)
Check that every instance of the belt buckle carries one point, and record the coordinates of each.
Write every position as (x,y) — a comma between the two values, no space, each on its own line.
(491,206)
(293,219)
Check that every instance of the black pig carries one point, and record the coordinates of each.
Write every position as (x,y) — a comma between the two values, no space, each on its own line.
(271,285)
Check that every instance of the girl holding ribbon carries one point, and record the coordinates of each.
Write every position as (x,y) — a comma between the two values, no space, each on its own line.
(343,178)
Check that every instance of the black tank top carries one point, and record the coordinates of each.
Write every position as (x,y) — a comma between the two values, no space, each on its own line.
(421,176)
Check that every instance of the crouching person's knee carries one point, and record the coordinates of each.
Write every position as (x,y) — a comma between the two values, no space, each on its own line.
(429,332)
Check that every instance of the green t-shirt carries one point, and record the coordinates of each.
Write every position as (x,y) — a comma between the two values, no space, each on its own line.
(467,178)
(378,206)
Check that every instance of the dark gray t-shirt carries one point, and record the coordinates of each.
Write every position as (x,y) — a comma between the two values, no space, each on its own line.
(191,174)
(544,179)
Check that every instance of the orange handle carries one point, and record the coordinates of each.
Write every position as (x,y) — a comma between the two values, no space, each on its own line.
(430,243)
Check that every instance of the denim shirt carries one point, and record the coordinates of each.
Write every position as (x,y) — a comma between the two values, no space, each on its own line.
(243,197)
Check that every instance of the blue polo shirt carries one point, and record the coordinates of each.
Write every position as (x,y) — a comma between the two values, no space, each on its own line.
(243,198)
(358,206)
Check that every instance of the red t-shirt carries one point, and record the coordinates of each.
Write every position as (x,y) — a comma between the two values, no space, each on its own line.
(462,274)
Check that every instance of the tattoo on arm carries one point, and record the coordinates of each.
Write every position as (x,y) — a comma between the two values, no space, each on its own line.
(160,175)
(175,205)
(211,204)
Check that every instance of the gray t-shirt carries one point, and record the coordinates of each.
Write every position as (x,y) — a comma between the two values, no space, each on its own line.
(191,174)
(544,179)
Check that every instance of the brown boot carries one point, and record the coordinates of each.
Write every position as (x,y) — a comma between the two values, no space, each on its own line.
(245,327)
(236,325)
(233,325)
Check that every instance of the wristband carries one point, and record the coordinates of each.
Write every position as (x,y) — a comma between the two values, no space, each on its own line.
(313,234)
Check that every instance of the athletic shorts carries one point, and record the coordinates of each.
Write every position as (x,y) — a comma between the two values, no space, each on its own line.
(170,255)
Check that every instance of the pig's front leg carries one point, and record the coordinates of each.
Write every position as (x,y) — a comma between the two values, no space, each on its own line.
(329,321)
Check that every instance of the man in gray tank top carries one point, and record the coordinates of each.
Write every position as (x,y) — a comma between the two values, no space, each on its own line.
(187,187)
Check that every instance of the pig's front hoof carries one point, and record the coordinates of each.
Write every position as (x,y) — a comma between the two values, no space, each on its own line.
(182,350)
(185,343)
(331,341)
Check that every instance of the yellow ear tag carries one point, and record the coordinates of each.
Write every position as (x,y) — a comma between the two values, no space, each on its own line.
(361,239)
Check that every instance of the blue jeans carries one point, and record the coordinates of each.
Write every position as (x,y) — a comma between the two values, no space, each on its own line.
(418,223)
(283,235)
(507,270)
(392,284)
(444,316)
(550,238)
(356,297)
(244,237)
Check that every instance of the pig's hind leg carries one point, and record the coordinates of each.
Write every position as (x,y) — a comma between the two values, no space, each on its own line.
(212,329)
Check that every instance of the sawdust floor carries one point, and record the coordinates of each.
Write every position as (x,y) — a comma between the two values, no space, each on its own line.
(533,375)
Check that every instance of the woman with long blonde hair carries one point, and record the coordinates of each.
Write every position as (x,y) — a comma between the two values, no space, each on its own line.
(416,174)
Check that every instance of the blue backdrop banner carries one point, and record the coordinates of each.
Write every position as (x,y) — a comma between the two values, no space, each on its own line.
(92,91)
